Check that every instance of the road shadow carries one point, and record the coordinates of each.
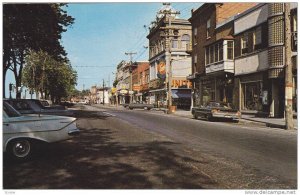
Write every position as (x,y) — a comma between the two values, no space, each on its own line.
(86,114)
(95,160)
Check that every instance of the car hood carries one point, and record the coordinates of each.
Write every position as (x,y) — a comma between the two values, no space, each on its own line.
(36,117)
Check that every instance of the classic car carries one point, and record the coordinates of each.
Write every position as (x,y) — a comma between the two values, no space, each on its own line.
(145,106)
(33,106)
(21,133)
(216,110)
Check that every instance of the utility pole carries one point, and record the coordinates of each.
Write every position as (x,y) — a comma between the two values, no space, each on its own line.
(103,91)
(289,125)
(168,36)
(130,71)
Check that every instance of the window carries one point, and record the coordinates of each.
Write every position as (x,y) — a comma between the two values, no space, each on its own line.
(230,50)
(217,53)
(185,40)
(221,51)
(208,28)
(207,55)
(195,58)
(211,54)
(244,43)
(174,44)
(257,33)
(195,36)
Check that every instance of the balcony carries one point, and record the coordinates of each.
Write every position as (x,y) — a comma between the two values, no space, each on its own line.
(222,66)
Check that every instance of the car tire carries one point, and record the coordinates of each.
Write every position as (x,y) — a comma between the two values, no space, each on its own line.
(195,116)
(131,108)
(20,149)
(208,117)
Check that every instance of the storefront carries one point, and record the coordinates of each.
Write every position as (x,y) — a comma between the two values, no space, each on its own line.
(251,93)
(217,89)
(181,98)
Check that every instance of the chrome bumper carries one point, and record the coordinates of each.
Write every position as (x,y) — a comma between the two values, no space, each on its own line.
(74,132)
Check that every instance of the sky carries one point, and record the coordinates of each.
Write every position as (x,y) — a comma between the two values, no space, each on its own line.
(101,34)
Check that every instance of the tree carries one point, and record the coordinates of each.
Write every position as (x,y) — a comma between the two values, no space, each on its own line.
(32,26)
(43,74)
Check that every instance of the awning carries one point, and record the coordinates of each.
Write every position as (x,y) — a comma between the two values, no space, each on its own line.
(181,93)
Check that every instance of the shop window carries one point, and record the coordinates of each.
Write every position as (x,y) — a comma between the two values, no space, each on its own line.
(251,93)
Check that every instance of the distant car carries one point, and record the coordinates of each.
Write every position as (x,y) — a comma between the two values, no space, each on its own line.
(21,133)
(67,103)
(140,106)
(33,106)
(216,110)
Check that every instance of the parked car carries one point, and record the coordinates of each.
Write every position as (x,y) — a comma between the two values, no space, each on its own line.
(21,133)
(141,106)
(67,104)
(33,106)
(216,110)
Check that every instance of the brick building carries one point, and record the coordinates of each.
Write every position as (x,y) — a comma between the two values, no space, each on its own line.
(212,51)
(140,81)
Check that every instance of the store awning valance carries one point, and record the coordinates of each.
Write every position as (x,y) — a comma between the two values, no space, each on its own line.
(181,93)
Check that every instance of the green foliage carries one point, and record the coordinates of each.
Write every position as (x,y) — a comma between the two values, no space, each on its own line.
(32,26)
(43,73)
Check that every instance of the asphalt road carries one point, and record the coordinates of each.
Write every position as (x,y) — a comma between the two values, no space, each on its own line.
(268,152)
(140,149)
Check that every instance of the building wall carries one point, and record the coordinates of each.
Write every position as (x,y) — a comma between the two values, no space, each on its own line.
(252,19)
(226,10)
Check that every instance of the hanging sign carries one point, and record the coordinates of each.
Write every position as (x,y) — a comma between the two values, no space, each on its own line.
(161,69)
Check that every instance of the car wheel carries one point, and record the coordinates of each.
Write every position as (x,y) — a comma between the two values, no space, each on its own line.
(131,108)
(20,149)
(195,116)
(208,117)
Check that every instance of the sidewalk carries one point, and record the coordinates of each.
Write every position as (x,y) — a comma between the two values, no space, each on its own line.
(269,122)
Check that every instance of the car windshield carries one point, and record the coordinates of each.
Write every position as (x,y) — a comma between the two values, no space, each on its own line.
(10,111)
(219,105)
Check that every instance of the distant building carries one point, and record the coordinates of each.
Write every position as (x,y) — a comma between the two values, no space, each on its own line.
(140,81)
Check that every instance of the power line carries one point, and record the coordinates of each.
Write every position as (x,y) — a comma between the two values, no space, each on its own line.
(93,66)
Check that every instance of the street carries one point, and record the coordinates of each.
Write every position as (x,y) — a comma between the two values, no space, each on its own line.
(140,149)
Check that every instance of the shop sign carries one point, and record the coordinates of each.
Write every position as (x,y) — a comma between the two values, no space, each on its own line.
(136,87)
(161,69)
(123,91)
(181,83)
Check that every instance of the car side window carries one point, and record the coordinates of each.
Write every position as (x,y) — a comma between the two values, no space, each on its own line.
(20,105)
(10,111)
